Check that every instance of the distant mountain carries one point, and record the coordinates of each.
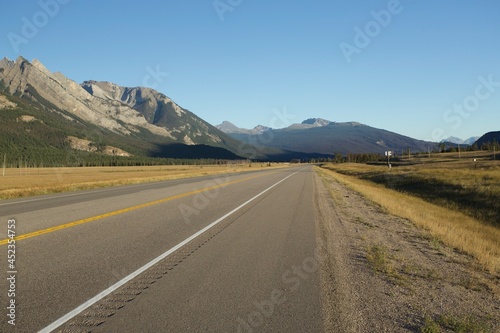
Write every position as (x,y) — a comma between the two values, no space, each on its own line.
(453,139)
(470,141)
(311,123)
(322,136)
(316,122)
(138,121)
(490,137)
(228,127)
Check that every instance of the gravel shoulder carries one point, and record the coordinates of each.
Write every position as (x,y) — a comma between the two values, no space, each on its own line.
(380,273)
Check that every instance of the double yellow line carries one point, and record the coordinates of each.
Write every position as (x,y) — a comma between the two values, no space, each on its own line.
(125,210)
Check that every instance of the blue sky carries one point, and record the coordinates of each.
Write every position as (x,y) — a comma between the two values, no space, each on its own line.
(422,68)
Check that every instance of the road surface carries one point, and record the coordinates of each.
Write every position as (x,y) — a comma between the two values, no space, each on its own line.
(228,253)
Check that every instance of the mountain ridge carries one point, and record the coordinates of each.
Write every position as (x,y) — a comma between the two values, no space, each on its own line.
(316,135)
(134,121)
(139,113)
(158,110)
(34,81)
(489,138)
(228,127)
(453,139)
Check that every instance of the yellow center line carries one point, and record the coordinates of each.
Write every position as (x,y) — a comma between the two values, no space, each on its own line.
(124,210)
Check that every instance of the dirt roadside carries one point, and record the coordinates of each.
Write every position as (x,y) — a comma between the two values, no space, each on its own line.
(380,273)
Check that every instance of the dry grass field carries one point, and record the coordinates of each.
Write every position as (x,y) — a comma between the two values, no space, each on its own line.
(461,185)
(34,181)
(455,200)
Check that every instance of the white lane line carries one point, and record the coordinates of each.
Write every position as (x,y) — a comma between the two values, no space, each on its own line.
(150,264)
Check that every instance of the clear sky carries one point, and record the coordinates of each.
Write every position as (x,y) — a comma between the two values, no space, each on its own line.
(423,68)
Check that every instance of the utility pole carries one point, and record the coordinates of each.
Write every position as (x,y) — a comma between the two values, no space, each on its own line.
(459,151)
(4,161)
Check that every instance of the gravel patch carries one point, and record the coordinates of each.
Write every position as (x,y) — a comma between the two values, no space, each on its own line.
(380,273)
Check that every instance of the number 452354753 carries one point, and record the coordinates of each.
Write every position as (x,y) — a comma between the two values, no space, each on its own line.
(11,247)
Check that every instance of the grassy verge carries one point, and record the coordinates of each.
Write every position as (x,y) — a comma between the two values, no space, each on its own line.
(377,256)
(453,228)
(454,324)
(456,185)
(33,181)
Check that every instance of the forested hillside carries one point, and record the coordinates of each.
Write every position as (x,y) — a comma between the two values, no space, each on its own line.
(31,135)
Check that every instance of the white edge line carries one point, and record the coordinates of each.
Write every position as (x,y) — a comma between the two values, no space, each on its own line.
(150,264)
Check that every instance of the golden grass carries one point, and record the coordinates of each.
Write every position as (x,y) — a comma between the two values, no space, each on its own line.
(454,184)
(34,181)
(463,155)
(486,178)
(451,227)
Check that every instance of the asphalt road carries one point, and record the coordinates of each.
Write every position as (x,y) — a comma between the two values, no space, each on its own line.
(229,253)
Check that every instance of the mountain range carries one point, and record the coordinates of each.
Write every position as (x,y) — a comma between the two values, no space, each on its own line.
(324,136)
(47,114)
(453,139)
(104,117)
(123,111)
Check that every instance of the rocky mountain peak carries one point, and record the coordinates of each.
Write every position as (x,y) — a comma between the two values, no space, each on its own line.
(261,129)
(6,62)
(136,113)
(38,65)
(316,122)
(228,127)
(58,93)
(149,102)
